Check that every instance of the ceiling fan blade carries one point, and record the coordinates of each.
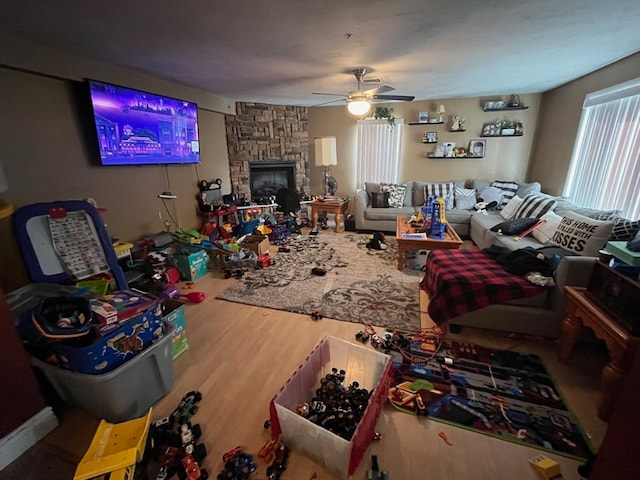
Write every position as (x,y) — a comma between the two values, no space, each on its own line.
(330,101)
(333,94)
(380,89)
(404,98)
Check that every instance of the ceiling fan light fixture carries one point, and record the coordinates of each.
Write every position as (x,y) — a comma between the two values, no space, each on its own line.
(358,107)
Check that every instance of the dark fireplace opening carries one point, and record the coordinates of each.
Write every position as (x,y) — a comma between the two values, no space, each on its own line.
(266,178)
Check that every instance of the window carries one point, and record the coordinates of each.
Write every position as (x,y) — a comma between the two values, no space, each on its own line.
(605,166)
(378,151)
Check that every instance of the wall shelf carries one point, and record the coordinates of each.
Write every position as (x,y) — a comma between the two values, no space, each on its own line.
(431,142)
(440,156)
(511,135)
(426,123)
(523,107)
(456,131)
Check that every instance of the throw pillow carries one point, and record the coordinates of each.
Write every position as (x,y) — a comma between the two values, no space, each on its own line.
(396,193)
(438,189)
(545,231)
(380,199)
(490,195)
(510,209)
(623,229)
(515,226)
(581,235)
(465,198)
(534,206)
(508,188)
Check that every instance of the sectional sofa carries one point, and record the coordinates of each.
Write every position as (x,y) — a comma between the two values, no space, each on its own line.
(541,315)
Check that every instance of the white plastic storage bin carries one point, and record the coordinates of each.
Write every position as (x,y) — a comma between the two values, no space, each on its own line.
(371,369)
(124,393)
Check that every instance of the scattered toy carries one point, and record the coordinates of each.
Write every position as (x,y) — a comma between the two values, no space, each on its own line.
(316,315)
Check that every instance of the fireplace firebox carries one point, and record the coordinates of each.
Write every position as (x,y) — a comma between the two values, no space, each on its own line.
(266,178)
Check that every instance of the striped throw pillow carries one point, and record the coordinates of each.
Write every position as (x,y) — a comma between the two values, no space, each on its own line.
(623,229)
(534,206)
(509,190)
(439,189)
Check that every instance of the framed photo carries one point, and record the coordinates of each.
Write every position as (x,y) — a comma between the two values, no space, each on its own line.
(431,137)
(449,148)
(423,117)
(439,151)
(477,147)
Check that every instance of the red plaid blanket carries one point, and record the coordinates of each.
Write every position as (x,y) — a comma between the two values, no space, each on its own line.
(460,281)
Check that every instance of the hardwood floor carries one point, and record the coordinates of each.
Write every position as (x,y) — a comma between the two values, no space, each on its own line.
(241,355)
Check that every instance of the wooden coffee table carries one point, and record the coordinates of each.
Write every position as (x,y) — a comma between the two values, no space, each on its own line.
(451,240)
(339,209)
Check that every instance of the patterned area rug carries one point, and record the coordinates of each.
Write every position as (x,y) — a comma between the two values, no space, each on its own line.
(360,284)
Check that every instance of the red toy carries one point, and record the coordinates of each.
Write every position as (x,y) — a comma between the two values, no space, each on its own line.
(193,470)
(196,297)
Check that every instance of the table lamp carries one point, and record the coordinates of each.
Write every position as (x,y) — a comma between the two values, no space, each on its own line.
(6,208)
(325,157)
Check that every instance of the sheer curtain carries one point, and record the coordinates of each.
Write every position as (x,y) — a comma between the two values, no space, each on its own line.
(378,151)
(605,166)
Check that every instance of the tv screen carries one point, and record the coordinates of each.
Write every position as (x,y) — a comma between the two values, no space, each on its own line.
(140,128)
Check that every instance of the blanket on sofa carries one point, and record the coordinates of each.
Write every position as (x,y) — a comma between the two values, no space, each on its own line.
(460,281)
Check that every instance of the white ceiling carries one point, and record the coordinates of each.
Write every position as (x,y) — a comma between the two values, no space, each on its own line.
(279,51)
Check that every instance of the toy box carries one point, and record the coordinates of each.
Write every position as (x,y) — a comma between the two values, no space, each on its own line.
(620,250)
(371,369)
(120,306)
(95,354)
(123,393)
(257,243)
(192,262)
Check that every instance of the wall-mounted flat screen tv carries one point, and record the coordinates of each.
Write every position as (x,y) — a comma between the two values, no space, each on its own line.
(140,128)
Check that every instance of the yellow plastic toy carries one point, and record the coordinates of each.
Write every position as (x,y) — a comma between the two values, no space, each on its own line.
(115,450)
(546,468)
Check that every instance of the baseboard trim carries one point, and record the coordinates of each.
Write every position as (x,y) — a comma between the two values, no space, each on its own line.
(26,435)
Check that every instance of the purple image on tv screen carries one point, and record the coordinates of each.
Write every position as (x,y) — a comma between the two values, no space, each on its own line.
(140,128)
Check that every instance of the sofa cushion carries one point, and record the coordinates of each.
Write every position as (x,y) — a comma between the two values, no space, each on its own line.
(534,206)
(479,184)
(545,231)
(396,193)
(380,199)
(465,198)
(581,235)
(509,189)
(458,216)
(510,209)
(525,189)
(514,226)
(388,214)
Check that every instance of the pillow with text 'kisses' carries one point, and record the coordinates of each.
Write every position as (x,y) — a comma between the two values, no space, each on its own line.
(581,235)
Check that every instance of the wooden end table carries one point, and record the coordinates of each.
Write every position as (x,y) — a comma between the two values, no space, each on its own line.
(451,240)
(582,312)
(339,209)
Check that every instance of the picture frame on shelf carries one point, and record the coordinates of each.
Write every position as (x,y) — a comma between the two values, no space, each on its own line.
(423,117)
(477,147)
(430,137)
(439,151)
(494,105)
(449,149)
(491,129)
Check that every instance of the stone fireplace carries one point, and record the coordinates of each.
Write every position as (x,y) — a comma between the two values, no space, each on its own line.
(268,145)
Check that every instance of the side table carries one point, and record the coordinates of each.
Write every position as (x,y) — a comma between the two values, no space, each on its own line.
(582,312)
(337,208)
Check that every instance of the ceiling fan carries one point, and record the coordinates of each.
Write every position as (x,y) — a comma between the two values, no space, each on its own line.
(359,101)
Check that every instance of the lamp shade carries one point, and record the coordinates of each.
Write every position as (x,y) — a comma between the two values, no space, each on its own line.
(326,151)
(358,107)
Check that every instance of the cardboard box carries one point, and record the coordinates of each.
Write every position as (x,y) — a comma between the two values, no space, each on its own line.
(257,243)
(173,312)
(192,262)
(95,354)
(120,306)
(180,345)
(371,369)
